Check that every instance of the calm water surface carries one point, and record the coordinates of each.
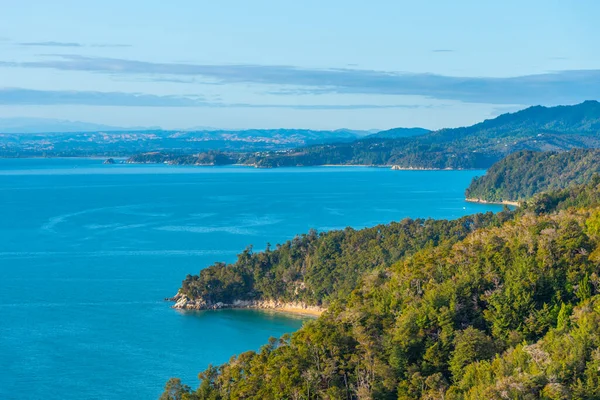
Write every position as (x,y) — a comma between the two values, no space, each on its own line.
(88,252)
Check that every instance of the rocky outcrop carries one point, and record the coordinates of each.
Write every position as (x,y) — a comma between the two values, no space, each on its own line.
(182,302)
(506,202)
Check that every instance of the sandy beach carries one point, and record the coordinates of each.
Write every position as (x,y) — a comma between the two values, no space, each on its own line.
(505,202)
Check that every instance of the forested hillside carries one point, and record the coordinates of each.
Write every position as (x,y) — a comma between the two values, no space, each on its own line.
(318,268)
(510,311)
(396,133)
(523,174)
(205,159)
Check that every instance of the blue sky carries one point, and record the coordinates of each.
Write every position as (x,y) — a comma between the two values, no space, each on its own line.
(306,64)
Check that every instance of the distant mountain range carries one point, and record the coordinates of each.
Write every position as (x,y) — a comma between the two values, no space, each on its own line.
(534,128)
(26,137)
(479,146)
(52,125)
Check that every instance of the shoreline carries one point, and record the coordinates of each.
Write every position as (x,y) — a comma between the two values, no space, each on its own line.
(398,168)
(391,167)
(125,160)
(182,302)
(342,165)
(64,158)
(285,310)
(504,202)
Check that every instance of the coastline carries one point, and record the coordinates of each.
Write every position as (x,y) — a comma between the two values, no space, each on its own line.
(387,166)
(127,160)
(291,310)
(347,165)
(504,202)
(399,168)
(182,302)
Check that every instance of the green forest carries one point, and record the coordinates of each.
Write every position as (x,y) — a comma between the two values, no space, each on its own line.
(523,174)
(318,268)
(508,307)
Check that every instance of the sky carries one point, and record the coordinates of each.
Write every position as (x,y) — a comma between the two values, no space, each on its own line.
(238,64)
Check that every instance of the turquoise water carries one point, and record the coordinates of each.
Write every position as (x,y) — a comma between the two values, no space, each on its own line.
(88,252)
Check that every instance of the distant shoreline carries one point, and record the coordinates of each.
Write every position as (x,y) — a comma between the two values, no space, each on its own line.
(65,158)
(504,202)
(387,166)
(125,160)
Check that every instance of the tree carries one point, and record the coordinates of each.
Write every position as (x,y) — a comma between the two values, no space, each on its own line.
(175,390)
(470,345)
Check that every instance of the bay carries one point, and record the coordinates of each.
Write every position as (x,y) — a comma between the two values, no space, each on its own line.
(88,251)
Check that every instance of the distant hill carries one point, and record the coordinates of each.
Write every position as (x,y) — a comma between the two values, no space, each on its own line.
(75,140)
(478,146)
(396,133)
(526,173)
(534,128)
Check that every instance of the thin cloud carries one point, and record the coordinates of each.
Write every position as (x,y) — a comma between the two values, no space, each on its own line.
(442,51)
(20,96)
(299,91)
(549,88)
(51,44)
(115,45)
(70,44)
(323,106)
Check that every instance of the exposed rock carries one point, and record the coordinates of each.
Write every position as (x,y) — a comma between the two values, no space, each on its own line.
(182,302)
(507,202)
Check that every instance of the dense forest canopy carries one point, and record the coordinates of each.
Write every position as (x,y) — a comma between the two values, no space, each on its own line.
(479,146)
(400,132)
(318,268)
(523,174)
(510,311)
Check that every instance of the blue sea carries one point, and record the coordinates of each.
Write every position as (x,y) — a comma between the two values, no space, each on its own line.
(89,251)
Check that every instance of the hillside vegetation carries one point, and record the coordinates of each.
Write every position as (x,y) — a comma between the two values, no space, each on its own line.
(396,133)
(523,174)
(318,268)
